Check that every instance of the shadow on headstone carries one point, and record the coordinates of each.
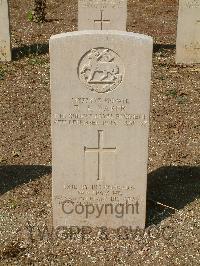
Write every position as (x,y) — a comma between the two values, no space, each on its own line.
(12,176)
(158,47)
(27,50)
(173,186)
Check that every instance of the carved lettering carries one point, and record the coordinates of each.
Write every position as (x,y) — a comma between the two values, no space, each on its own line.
(102,4)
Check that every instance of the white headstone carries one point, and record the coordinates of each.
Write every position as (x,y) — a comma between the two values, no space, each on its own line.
(5,48)
(102,14)
(100,90)
(188,33)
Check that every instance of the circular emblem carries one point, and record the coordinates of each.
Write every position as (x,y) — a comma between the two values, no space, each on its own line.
(101,70)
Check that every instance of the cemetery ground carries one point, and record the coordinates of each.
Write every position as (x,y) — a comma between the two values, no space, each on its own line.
(172,233)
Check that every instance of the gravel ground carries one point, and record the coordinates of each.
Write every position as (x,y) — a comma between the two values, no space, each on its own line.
(172,232)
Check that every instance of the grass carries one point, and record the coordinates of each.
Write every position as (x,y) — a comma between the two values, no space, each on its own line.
(36,61)
(30,15)
(172,93)
(2,74)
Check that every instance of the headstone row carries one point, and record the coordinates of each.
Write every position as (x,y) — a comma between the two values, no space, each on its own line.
(112,15)
(102,15)
(100,90)
(100,114)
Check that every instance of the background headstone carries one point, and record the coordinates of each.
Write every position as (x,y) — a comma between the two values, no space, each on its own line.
(102,14)
(188,33)
(5,47)
(100,123)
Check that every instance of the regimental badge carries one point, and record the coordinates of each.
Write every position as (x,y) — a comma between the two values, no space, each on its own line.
(101,70)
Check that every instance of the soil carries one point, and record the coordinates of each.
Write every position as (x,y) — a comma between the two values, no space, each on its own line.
(172,231)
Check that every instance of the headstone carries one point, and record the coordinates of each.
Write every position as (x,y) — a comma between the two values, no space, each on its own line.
(5,48)
(188,34)
(102,14)
(100,123)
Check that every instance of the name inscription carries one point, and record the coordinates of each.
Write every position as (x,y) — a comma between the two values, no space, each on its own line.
(100,112)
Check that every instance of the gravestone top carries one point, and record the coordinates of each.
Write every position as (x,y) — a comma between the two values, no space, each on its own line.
(188,32)
(100,124)
(102,14)
(137,36)
(5,49)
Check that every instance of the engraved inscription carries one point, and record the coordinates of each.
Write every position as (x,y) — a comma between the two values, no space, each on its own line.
(198,22)
(87,193)
(191,4)
(101,70)
(100,111)
(102,4)
(100,150)
(195,45)
(101,21)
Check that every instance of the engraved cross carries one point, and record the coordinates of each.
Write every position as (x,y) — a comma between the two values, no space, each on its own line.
(100,150)
(101,20)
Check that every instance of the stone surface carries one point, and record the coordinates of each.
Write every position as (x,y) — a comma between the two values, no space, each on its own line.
(100,90)
(188,32)
(5,48)
(102,14)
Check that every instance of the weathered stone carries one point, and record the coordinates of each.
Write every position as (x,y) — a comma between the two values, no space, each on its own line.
(102,14)
(5,47)
(188,33)
(100,90)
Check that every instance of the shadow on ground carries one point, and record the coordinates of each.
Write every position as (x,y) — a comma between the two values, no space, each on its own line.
(43,48)
(28,50)
(174,186)
(158,47)
(12,176)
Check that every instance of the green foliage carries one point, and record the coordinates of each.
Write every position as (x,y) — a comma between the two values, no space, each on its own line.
(181,99)
(2,74)
(30,15)
(172,93)
(36,61)
(13,204)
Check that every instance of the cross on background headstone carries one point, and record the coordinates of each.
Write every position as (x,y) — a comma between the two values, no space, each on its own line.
(113,15)
(100,150)
(101,20)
